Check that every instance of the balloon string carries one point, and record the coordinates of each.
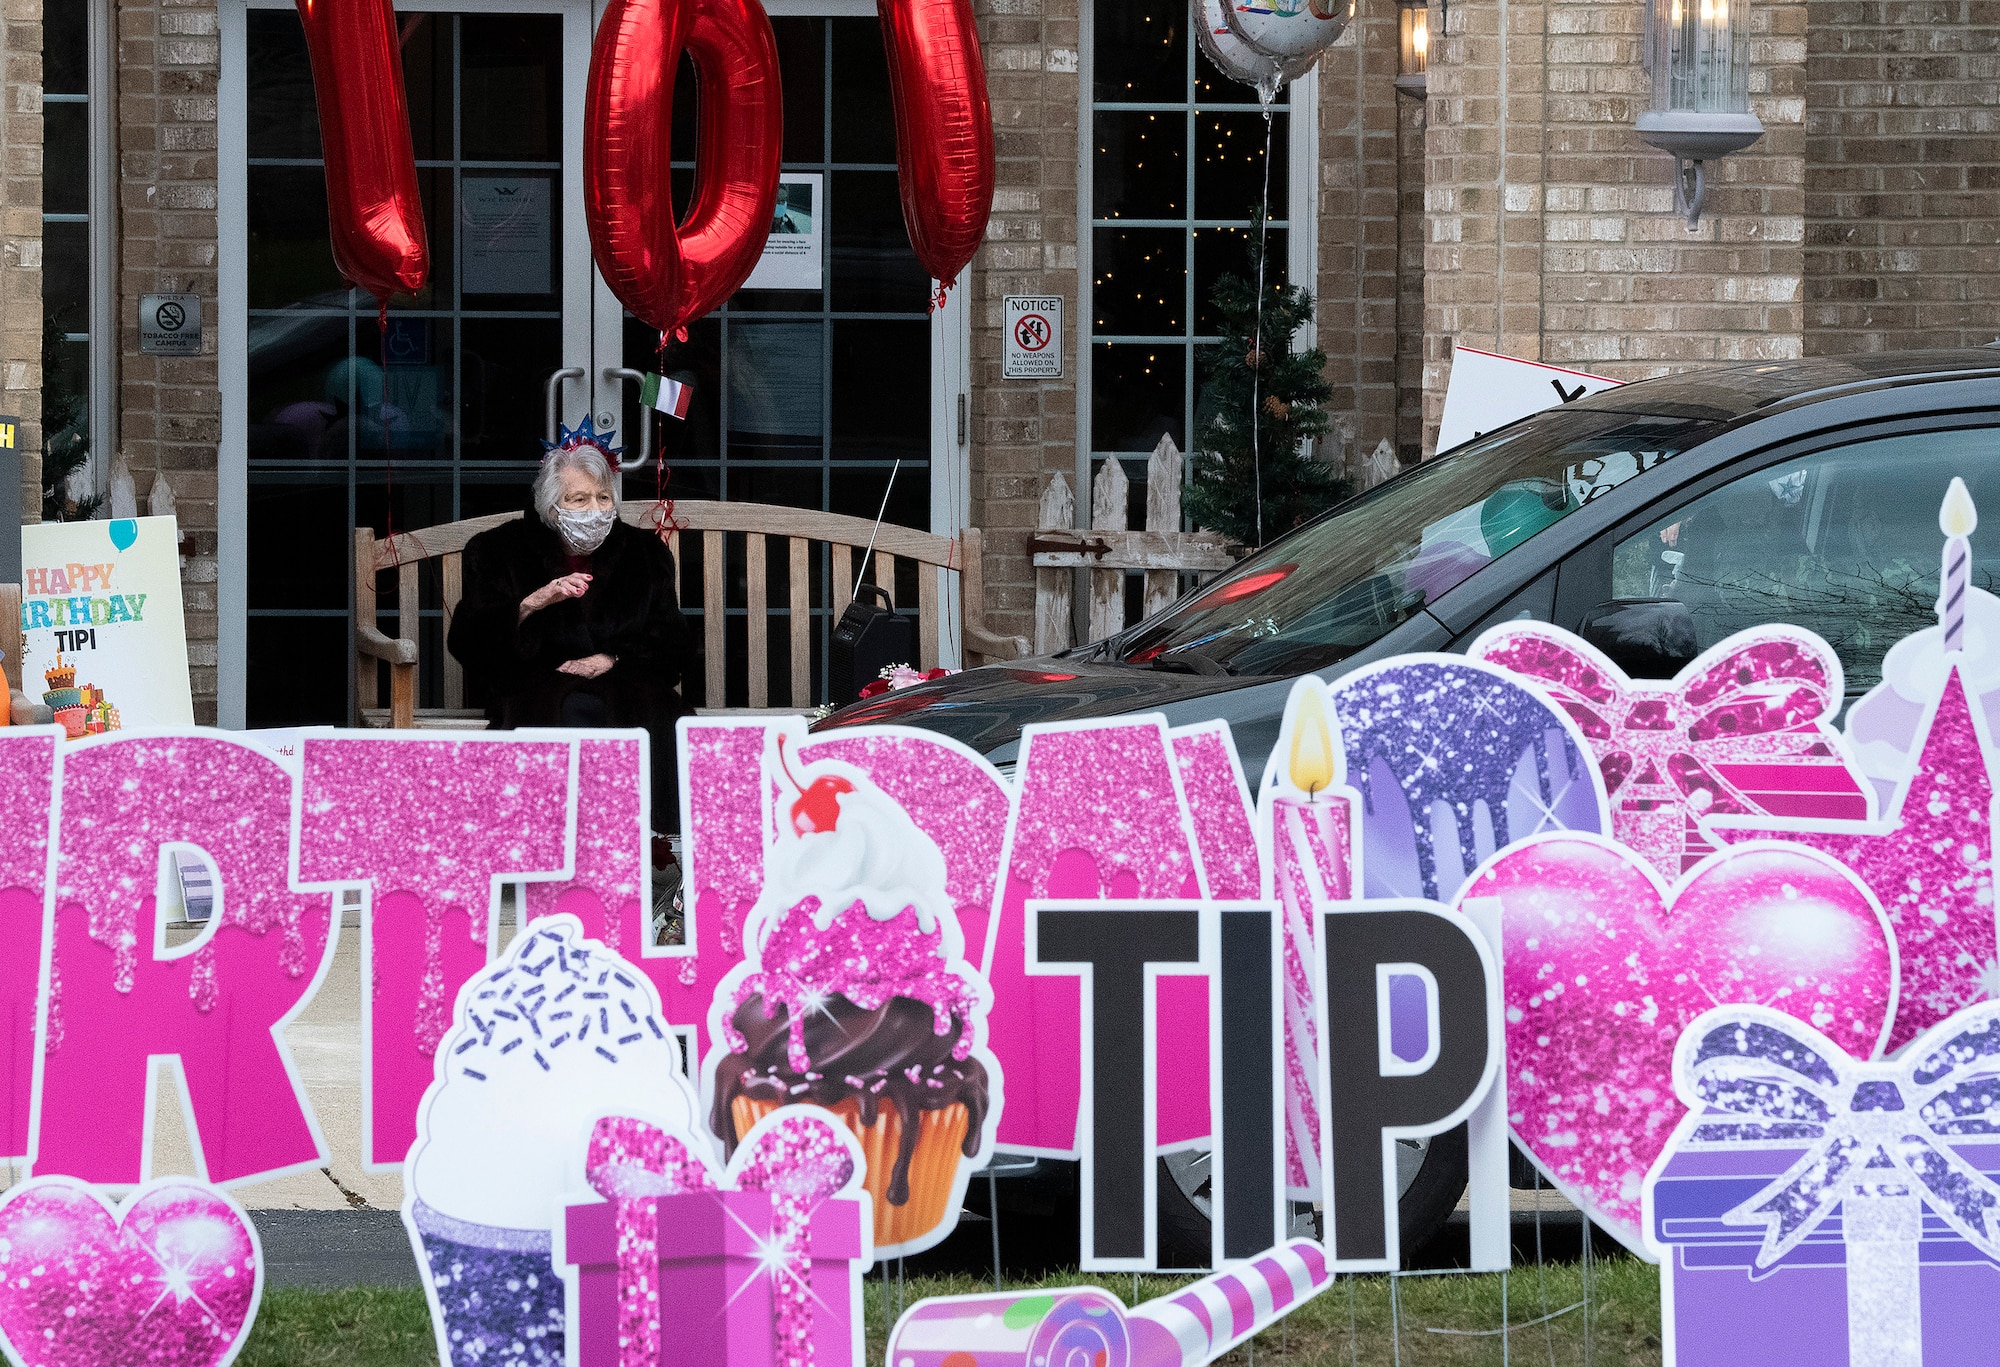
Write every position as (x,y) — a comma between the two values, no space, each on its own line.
(938,299)
(665,523)
(382,421)
(1257,337)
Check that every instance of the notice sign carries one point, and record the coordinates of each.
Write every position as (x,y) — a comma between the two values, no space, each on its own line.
(1488,391)
(1031,347)
(170,324)
(791,259)
(507,235)
(102,638)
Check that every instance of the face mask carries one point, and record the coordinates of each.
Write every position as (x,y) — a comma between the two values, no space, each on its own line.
(583,529)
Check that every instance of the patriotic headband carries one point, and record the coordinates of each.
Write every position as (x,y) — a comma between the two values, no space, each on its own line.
(575,438)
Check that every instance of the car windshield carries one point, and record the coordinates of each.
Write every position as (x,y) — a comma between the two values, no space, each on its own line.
(1338,584)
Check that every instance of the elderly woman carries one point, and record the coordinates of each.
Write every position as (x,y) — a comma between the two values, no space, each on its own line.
(570,617)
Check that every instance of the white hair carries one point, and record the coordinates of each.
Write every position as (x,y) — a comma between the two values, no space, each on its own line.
(548,480)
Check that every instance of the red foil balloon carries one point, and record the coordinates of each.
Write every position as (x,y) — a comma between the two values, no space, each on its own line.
(373,205)
(944,130)
(665,273)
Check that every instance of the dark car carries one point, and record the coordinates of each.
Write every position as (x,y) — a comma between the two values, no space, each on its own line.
(1656,519)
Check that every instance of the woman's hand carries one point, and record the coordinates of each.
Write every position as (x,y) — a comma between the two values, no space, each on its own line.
(589,667)
(555,591)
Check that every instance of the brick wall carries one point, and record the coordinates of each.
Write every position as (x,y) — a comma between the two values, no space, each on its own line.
(1903,178)
(1358,230)
(1553,235)
(170,407)
(1411,228)
(21,237)
(1023,429)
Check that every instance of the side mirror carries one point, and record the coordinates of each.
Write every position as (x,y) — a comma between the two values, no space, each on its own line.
(1648,638)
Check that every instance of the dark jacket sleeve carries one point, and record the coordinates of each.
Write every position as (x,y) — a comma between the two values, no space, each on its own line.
(487,634)
(655,643)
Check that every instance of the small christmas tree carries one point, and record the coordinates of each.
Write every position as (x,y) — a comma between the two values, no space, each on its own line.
(1286,389)
(65,426)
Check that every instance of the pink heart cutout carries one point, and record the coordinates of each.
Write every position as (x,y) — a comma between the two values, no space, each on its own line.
(1602,969)
(170,1278)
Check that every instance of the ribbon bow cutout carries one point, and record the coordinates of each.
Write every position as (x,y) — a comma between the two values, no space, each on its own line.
(1760,696)
(1879,1128)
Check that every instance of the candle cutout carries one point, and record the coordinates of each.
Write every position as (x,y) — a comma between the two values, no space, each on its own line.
(1956,519)
(1308,820)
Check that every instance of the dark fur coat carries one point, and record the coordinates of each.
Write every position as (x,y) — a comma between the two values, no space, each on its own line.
(631,612)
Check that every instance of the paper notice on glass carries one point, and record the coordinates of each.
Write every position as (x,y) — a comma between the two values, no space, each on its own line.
(791,259)
(508,240)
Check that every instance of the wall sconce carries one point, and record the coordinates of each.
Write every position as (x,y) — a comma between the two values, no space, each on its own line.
(1698,53)
(1414,22)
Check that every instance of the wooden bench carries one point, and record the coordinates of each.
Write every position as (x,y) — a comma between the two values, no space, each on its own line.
(713,534)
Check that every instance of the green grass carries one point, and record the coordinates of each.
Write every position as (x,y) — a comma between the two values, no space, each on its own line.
(1349,1324)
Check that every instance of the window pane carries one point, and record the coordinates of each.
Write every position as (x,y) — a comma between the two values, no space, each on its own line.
(777,389)
(65,41)
(418,504)
(1140,283)
(802,68)
(481,493)
(65,158)
(283,120)
(696,361)
(510,74)
(1845,543)
(866,128)
(291,258)
(510,239)
(867,358)
(505,364)
(1140,165)
(1138,393)
(1141,51)
(66,275)
(297,670)
(868,249)
(1212,87)
(427,83)
(1226,251)
(405,415)
(301,545)
(301,388)
(1229,165)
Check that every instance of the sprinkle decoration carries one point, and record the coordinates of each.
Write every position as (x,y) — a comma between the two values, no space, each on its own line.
(1930,865)
(1742,730)
(1218,800)
(1427,731)
(28,758)
(611,871)
(170,1278)
(1603,968)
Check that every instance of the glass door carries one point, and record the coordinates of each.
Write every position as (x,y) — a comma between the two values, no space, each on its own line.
(440,415)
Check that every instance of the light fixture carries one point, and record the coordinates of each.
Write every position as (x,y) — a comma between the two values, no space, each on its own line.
(1698,52)
(1414,22)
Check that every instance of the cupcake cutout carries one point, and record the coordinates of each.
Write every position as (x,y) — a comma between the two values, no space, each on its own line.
(855,995)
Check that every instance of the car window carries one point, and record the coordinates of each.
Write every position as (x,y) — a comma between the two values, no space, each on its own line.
(1845,543)
(1338,584)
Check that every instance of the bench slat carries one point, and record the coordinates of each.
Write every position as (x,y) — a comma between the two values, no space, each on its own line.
(366,672)
(756,619)
(843,580)
(885,574)
(407,624)
(927,617)
(801,621)
(453,569)
(714,566)
(674,550)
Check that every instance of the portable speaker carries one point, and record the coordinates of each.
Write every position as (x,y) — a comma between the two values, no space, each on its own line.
(868,639)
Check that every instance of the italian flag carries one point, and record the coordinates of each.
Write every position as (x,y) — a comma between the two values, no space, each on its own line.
(669,396)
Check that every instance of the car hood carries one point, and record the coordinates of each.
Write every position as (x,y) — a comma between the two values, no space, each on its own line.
(987,708)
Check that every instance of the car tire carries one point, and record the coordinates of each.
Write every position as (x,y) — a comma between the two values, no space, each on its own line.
(1432,1195)
(1183,1226)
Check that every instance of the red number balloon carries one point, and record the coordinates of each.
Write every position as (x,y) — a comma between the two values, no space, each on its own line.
(670,275)
(373,206)
(944,130)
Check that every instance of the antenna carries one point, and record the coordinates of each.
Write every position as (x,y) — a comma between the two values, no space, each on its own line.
(879,515)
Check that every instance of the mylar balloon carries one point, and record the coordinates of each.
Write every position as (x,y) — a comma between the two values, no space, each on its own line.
(1239,61)
(373,207)
(665,274)
(944,129)
(1286,29)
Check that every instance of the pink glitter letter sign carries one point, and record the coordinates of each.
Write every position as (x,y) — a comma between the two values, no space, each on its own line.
(117,997)
(1099,814)
(27,797)
(432,826)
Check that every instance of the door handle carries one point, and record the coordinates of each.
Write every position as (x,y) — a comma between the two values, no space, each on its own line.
(554,394)
(626,375)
